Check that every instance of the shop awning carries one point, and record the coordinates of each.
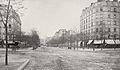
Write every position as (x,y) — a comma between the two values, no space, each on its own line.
(79,42)
(109,42)
(90,41)
(98,41)
(117,41)
(8,42)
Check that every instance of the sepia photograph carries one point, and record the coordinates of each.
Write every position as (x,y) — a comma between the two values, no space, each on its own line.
(59,34)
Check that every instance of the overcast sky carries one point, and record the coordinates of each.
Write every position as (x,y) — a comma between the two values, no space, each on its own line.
(48,16)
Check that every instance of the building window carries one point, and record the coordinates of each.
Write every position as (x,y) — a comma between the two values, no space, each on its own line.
(115,23)
(96,10)
(109,30)
(101,22)
(91,24)
(108,36)
(10,37)
(115,30)
(115,36)
(86,26)
(101,9)
(101,29)
(108,9)
(96,29)
(115,15)
(86,20)
(108,15)
(9,25)
(115,10)
(109,22)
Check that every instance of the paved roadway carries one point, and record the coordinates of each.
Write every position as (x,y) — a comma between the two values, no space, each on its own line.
(49,58)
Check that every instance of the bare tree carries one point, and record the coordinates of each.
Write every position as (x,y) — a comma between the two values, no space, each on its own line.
(5,16)
(35,39)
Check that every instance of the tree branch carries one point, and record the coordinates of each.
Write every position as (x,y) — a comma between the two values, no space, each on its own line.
(2,18)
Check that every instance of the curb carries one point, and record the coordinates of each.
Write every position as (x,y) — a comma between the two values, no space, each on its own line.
(23,65)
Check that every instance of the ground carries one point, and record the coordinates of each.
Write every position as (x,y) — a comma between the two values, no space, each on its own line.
(15,59)
(50,58)
(53,58)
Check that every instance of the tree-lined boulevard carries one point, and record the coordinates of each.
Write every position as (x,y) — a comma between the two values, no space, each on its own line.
(93,46)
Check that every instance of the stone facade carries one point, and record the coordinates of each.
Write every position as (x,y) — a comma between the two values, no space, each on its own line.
(101,20)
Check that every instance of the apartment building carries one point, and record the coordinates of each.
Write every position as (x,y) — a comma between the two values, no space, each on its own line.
(101,20)
(101,17)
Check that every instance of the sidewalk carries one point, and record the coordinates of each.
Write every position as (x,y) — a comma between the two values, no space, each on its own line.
(14,61)
(91,49)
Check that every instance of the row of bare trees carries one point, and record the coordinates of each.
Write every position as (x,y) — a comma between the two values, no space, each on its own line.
(29,40)
(72,39)
(67,40)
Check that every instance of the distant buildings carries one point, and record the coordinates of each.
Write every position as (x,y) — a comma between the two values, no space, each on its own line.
(59,33)
(14,23)
(101,20)
(62,38)
(71,32)
(64,32)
